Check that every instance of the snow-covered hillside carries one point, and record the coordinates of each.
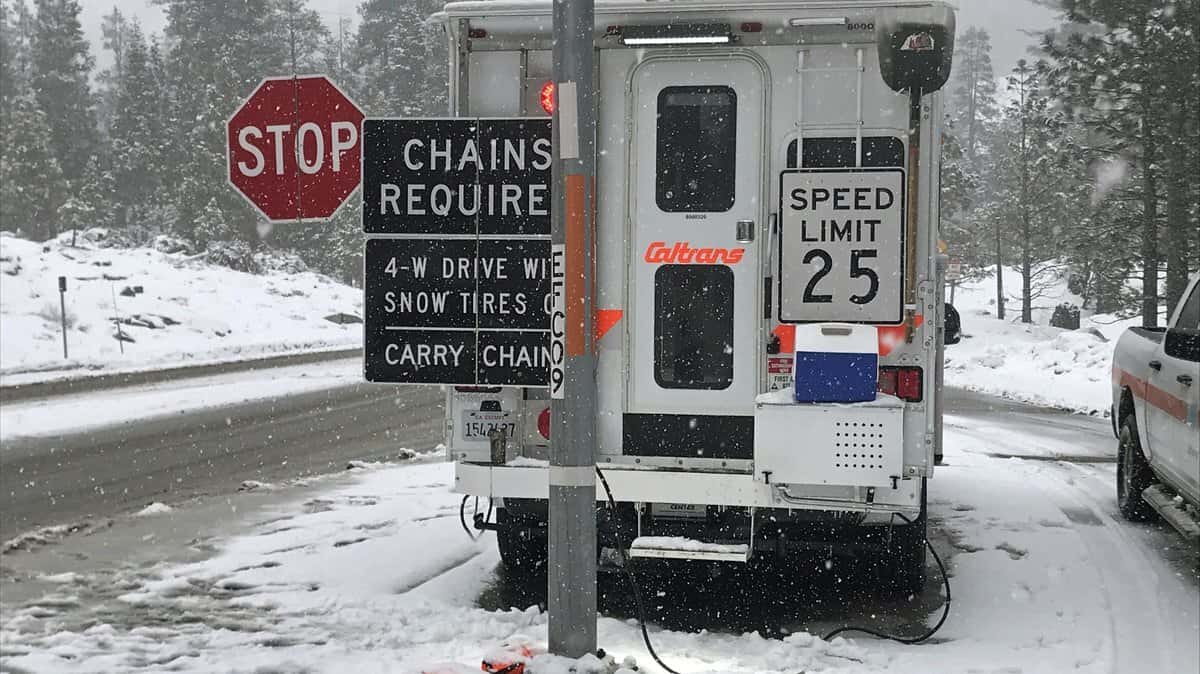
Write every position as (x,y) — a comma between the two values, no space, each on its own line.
(1032,362)
(187,310)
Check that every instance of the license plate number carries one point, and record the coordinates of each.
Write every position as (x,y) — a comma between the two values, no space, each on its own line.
(477,425)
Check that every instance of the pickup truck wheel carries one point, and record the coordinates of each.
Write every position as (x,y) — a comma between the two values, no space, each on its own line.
(1133,474)
(521,555)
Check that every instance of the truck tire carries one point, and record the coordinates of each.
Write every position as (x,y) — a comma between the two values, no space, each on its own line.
(1133,473)
(521,555)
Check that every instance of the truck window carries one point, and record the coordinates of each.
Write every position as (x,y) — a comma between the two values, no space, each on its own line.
(1189,317)
(693,326)
(835,152)
(697,129)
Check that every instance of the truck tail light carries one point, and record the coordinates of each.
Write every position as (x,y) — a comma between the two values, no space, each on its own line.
(544,423)
(906,383)
(477,389)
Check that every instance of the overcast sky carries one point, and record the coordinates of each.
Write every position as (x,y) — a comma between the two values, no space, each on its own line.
(1004,19)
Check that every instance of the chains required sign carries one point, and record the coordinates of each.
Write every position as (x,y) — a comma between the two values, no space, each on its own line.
(457,274)
(841,246)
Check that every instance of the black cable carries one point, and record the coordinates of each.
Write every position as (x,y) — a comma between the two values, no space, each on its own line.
(907,640)
(625,566)
(462,518)
(641,609)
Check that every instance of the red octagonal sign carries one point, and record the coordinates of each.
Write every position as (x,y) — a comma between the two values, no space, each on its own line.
(293,148)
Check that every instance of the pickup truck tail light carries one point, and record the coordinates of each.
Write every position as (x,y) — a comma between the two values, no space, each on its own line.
(906,383)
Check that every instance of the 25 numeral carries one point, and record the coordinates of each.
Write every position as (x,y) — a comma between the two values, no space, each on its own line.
(857,270)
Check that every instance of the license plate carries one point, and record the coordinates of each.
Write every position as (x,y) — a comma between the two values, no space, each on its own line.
(477,425)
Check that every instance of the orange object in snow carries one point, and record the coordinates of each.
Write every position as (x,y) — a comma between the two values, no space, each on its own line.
(510,660)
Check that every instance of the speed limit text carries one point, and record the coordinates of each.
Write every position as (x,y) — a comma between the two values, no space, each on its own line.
(852,230)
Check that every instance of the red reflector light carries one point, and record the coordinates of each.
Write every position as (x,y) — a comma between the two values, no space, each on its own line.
(546,98)
(887,382)
(752,27)
(476,33)
(906,383)
(477,389)
(544,423)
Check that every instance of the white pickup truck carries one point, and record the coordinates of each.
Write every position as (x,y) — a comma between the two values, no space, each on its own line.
(1156,399)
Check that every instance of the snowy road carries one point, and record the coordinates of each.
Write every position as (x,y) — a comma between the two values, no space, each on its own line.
(373,574)
(97,454)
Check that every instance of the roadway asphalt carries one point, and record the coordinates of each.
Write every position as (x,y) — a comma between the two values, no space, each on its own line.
(99,473)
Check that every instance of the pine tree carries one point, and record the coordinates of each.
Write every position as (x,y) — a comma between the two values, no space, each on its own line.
(8,75)
(219,52)
(973,91)
(16,36)
(396,58)
(137,134)
(1033,183)
(61,67)
(1127,70)
(114,29)
(31,182)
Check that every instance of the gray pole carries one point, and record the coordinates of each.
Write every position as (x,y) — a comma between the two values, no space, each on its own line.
(62,310)
(571,591)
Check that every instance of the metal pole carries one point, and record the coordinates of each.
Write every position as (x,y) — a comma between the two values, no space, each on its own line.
(571,591)
(62,311)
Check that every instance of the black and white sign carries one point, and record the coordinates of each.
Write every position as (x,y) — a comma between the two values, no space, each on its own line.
(841,246)
(558,321)
(464,298)
(457,311)
(470,176)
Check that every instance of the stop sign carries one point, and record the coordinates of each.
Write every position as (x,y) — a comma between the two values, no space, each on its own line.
(293,148)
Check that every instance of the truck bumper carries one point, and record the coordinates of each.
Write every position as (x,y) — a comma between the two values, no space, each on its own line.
(692,487)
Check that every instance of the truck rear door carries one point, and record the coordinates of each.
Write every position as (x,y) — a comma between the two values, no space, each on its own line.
(695,289)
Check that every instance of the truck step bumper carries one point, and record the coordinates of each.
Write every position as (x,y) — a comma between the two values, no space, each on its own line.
(673,547)
(1173,512)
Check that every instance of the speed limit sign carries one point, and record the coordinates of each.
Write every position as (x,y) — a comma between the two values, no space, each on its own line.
(841,246)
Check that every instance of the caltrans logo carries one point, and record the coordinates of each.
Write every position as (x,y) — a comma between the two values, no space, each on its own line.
(659,252)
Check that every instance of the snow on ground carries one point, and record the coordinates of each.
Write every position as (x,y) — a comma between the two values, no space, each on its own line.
(1034,362)
(188,312)
(378,576)
(82,411)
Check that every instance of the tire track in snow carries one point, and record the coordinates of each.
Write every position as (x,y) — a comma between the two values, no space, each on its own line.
(1142,638)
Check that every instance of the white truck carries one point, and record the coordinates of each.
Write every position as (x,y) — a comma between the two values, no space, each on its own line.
(767,174)
(1156,400)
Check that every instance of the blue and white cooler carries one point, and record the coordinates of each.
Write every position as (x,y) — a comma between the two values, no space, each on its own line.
(836,363)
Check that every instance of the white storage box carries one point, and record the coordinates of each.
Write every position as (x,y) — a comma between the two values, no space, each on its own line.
(837,444)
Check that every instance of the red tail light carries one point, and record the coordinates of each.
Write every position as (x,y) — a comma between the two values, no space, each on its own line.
(544,423)
(906,383)
(546,97)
